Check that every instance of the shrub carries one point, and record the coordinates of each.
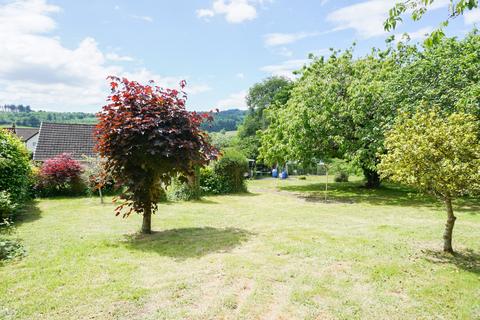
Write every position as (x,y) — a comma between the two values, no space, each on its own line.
(341,177)
(33,182)
(7,206)
(231,169)
(96,178)
(9,248)
(210,183)
(227,174)
(14,167)
(181,191)
(61,176)
(342,170)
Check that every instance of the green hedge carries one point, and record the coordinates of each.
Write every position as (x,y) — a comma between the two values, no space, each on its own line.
(15,180)
(15,171)
(226,175)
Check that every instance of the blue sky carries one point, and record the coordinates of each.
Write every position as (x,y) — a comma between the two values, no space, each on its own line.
(57,53)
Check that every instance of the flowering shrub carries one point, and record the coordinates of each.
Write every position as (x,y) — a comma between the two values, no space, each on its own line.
(61,176)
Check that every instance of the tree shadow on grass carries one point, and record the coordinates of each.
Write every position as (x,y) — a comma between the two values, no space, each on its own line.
(468,205)
(203,201)
(28,213)
(467,260)
(211,197)
(243,194)
(187,243)
(387,194)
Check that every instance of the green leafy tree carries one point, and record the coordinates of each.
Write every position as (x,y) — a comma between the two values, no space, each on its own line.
(221,140)
(446,75)
(15,167)
(437,154)
(341,107)
(272,148)
(260,96)
(418,8)
(337,109)
(274,142)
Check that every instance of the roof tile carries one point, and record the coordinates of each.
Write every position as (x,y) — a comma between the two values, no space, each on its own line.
(57,138)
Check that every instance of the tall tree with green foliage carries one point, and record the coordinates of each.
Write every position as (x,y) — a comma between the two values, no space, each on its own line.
(446,75)
(341,107)
(336,110)
(260,96)
(438,154)
(273,140)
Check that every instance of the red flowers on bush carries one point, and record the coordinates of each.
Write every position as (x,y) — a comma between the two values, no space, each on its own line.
(63,168)
(60,174)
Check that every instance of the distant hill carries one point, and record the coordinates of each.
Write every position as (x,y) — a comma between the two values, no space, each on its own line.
(225,120)
(34,118)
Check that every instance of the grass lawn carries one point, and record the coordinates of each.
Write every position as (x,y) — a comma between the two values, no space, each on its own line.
(279,252)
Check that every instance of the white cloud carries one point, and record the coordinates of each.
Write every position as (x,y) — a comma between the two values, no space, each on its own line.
(285,69)
(27,17)
(235,11)
(235,100)
(240,75)
(144,75)
(37,69)
(143,18)
(473,16)
(283,51)
(205,13)
(367,17)
(118,58)
(197,88)
(280,39)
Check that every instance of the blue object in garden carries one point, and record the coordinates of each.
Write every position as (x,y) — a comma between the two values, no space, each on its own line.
(275,173)
(284,175)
